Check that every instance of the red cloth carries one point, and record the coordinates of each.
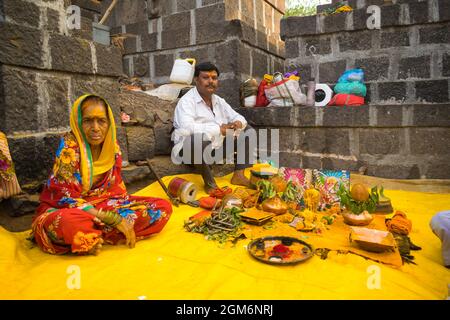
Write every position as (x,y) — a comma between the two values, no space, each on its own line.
(261,99)
(344,99)
(61,223)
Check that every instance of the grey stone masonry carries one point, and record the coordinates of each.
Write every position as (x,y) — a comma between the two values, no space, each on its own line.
(44,67)
(406,60)
(240,36)
(404,142)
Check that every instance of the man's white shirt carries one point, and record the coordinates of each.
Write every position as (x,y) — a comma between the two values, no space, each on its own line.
(193,115)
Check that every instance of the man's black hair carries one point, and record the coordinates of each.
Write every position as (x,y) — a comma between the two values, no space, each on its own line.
(205,66)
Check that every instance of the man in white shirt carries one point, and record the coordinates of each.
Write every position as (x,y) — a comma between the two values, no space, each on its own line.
(200,112)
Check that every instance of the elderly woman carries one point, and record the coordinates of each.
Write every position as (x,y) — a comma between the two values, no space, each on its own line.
(84,202)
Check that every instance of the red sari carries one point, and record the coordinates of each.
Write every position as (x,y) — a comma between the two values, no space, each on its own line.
(62,225)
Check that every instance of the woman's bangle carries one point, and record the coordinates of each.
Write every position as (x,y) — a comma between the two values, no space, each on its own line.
(110,218)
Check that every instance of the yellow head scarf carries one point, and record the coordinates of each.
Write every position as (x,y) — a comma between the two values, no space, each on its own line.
(105,162)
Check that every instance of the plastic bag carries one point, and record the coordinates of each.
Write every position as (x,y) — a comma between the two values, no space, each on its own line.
(352,75)
(286,92)
(356,88)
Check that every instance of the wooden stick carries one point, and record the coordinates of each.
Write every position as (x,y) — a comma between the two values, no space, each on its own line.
(108,12)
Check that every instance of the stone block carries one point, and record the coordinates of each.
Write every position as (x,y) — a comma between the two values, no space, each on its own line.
(446,65)
(430,141)
(431,115)
(58,109)
(396,38)
(247,10)
(207,33)
(20,45)
(260,64)
(418,12)
(390,15)
(53,20)
(183,5)
(163,64)
(329,72)
(33,156)
(175,38)
(414,67)
(360,17)
(292,47)
(435,34)
(329,163)
(226,56)
(356,41)
(177,21)
(392,91)
(85,31)
(438,170)
(163,139)
(393,171)
(317,45)
(380,141)
(141,66)
(345,117)
(432,91)
(109,60)
(70,54)
(309,162)
(209,15)
(229,90)
(138,28)
(244,59)
(297,26)
(122,141)
(149,42)
(290,160)
(199,54)
(374,68)
(20,100)
(334,22)
(22,12)
(444,10)
(141,143)
(129,44)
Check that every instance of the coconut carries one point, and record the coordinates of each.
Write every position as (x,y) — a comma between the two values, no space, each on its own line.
(359,192)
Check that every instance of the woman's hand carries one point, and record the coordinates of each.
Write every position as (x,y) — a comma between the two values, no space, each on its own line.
(128,231)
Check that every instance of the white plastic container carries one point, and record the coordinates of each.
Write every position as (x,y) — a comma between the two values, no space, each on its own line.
(250,101)
(183,71)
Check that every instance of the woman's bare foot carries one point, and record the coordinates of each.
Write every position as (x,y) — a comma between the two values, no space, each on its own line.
(97,248)
(240,179)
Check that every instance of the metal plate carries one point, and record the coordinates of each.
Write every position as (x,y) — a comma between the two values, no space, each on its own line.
(262,250)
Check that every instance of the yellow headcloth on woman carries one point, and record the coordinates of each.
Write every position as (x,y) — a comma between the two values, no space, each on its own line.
(106,160)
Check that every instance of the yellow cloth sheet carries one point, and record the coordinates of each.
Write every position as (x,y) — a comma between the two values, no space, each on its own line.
(176,264)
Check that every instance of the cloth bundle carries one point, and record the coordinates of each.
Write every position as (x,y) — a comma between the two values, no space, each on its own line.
(350,89)
(9,186)
(399,223)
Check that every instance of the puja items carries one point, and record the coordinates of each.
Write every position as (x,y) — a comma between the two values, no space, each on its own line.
(182,189)
(358,203)
(384,205)
(371,239)
(270,201)
(249,197)
(220,192)
(256,176)
(257,217)
(328,183)
(221,225)
(399,223)
(280,250)
(312,199)
(301,178)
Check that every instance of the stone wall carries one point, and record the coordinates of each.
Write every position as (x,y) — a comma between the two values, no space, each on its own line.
(406,61)
(404,131)
(44,67)
(391,141)
(240,36)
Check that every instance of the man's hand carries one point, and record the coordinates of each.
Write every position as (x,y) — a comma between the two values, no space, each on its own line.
(224,127)
(128,232)
(237,125)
